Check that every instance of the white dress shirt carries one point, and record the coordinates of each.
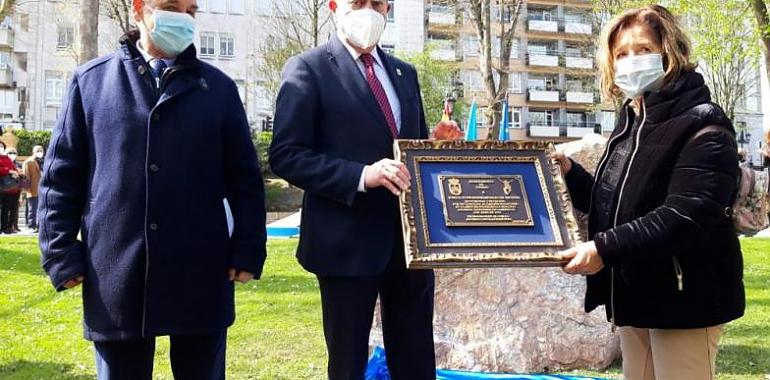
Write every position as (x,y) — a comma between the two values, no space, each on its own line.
(387,85)
(147,57)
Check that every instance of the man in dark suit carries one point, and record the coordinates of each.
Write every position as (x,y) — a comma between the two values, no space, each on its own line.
(339,109)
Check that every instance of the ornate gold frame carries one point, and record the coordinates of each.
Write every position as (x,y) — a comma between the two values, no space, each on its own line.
(496,254)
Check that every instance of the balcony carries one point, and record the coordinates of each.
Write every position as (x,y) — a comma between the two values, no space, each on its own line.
(580,97)
(577,28)
(579,131)
(6,76)
(6,37)
(539,25)
(579,63)
(536,130)
(543,60)
(542,95)
(441,16)
(444,54)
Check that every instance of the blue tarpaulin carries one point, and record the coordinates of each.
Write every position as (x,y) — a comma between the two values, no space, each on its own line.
(378,370)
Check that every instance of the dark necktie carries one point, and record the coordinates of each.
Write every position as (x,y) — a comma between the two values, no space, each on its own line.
(158,66)
(379,93)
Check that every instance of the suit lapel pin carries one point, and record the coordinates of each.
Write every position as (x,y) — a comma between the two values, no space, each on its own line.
(398,71)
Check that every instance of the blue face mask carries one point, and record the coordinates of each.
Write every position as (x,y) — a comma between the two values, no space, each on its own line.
(173,32)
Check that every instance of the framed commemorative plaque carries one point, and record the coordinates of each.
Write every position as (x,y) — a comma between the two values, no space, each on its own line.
(484,204)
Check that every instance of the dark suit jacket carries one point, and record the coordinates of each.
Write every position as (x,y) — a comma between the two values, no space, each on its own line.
(327,127)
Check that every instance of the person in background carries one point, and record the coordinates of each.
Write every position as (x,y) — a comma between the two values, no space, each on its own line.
(13,154)
(32,170)
(149,144)
(9,197)
(663,256)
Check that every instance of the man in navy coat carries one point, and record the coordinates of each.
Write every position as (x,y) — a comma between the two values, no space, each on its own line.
(339,108)
(149,144)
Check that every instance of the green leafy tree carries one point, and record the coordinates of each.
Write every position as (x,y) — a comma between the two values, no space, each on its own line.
(762,17)
(436,82)
(28,139)
(726,44)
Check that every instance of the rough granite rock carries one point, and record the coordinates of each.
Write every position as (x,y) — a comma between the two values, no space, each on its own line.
(519,320)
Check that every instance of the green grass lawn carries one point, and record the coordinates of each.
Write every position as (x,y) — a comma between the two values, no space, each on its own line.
(277,334)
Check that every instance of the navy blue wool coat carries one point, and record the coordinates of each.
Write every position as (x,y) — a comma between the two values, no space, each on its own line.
(141,173)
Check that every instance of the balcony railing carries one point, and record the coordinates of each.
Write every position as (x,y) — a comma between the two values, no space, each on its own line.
(571,25)
(543,59)
(551,26)
(441,17)
(543,95)
(579,62)
(6,37)
(6,75)
(566,129)
(579,96)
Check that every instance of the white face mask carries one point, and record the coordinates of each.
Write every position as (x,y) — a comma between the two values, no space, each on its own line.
(636,74)
(38,154)
(2,150)
(363,28)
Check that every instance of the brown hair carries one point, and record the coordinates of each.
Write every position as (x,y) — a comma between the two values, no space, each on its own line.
(674,42)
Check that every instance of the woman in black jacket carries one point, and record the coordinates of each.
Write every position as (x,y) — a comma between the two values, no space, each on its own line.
(664,258)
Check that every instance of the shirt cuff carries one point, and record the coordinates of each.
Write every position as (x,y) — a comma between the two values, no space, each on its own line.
(362,181)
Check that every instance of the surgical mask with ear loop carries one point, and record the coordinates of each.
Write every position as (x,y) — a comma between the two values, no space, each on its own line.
(173,32)
(362,27)
(639,73)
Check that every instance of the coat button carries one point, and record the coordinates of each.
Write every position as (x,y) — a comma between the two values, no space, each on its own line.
(154,168)
(153,226)
(142,70)
(156,116)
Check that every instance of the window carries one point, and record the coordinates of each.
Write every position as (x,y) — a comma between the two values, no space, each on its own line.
(237,7)
(541,118)
(388,48)
(514,82)
(66,37)
(515,117)
(472,80)
(226,45)
(54,87)
(208,42)
(217,6)
(8,99)
(515,48)
(5,60)
(576,119)
(202,5)
(497,46)
(471,46)
(264,7)
(608,121)
(391,12)
(24,21)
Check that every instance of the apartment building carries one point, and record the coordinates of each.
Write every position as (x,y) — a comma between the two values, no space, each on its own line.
(553,79)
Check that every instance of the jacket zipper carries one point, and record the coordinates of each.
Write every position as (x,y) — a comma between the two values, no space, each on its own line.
(679,275)
(591,205)
(617,208)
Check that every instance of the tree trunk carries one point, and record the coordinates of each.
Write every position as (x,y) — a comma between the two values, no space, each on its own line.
(763,23)
(89,30)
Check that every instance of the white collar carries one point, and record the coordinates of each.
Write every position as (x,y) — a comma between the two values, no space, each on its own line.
(356,54)
(147,57)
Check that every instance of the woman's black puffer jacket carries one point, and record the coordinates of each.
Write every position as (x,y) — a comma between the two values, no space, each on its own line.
(672,258)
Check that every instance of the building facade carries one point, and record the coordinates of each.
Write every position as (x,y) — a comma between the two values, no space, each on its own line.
(552,75)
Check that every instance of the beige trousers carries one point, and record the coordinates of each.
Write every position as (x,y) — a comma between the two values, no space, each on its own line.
(658,354)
